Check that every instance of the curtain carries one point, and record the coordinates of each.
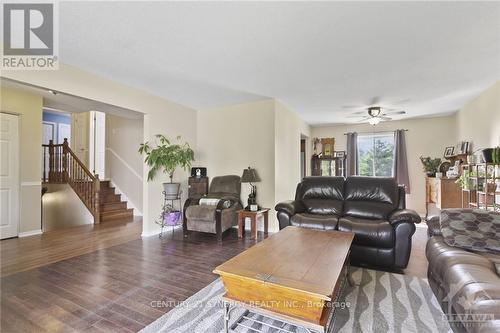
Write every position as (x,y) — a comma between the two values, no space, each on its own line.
(352,154)
(401,160)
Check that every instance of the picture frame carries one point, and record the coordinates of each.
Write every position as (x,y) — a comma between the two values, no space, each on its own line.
(328,146)
(448,151)
(340,154)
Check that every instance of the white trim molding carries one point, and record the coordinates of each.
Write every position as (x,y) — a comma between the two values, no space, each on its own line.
(30,233)
(36,183)
(125,163)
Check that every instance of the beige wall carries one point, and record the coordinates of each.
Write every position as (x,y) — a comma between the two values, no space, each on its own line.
(29,109)
(161,116)
(123,162)
(479,120)
(289,128)
(264,135)
(62,208)
(425,137)
(235,137)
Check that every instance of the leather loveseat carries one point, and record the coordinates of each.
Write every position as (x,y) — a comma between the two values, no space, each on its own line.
(466,284)
(373,208)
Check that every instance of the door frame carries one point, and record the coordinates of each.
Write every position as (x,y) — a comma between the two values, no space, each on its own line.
(18,183)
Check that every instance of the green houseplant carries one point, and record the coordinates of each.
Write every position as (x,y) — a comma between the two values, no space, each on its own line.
(167,156)
(464,180)
(430,165)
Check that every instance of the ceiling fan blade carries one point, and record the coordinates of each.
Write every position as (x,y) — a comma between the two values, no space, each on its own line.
(358,112)
(385,118)
(395,112)
(352,106)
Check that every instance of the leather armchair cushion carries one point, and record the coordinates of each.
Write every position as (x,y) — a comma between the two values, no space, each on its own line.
(313,221)
(377,233)
(370,197)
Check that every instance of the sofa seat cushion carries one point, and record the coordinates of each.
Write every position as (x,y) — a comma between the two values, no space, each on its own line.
(313,221)
(379,233)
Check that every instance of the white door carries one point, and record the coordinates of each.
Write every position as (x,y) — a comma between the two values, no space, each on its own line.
(97,142)
(9,175)
(48,132)
(80,136)
(63,132)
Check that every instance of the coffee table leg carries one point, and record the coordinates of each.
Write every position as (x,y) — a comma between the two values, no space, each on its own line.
(266,222)
(226,317)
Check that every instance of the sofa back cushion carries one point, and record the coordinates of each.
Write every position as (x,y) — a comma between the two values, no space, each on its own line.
(370,197)
(321,195)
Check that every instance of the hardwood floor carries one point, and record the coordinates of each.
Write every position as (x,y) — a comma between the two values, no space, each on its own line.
(113,288)
(20,254)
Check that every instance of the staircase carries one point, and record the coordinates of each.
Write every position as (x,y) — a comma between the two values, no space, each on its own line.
(62,165)
(112,207)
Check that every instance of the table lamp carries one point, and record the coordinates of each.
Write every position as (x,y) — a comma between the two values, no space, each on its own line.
(250,176)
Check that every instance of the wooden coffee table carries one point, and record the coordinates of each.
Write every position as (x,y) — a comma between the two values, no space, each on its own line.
(294,276)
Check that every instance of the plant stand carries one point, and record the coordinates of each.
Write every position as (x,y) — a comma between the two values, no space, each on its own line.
(161,220)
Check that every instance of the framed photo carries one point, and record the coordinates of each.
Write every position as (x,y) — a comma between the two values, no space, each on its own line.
(328,146)
(448,152)
(340,154)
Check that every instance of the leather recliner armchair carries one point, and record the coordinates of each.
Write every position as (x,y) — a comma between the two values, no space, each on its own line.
(373,208)
(214,219)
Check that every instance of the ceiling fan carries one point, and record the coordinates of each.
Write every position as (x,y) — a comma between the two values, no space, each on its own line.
(376,114)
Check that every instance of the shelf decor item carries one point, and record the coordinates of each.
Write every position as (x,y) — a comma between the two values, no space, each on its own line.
(430,165)
(487,155)
(167,156)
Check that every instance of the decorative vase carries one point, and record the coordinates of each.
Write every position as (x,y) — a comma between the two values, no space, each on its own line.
(430,173)
(171,218)
(487,155)
(171,190)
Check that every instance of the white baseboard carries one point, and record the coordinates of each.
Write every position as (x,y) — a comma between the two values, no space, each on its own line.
(137,212)
(166,230)
(30,233)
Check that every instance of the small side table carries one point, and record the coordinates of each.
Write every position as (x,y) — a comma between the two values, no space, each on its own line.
(242,214)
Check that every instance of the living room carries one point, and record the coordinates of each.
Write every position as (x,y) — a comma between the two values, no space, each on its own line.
(278,129)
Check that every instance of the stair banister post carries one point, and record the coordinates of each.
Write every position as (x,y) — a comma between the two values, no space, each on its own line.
(51,161)
(97,205)
(65,160)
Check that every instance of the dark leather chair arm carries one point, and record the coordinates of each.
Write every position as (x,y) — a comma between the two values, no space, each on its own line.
(291,207)
(404,215)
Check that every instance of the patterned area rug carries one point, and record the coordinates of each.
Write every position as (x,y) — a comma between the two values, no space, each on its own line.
(380,302)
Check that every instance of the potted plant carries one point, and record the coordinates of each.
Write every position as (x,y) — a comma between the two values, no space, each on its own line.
(167,156)
(464,180)
(430,165)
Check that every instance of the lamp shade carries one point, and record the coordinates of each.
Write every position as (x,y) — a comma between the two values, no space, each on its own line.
(250,176)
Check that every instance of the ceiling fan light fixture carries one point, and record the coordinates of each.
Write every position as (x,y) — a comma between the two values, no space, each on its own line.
(374,121)
(374,111)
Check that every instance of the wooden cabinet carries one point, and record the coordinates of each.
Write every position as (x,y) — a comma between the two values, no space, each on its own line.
(443,192)
(327,166)
(197,187)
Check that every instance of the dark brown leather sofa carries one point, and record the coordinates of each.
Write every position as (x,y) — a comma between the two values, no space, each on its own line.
(371,207)
(466,284)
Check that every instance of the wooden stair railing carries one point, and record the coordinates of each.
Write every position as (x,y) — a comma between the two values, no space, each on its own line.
(61,165)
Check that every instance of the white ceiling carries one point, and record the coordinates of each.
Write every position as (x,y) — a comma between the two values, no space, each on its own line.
(62,102)
(318,58)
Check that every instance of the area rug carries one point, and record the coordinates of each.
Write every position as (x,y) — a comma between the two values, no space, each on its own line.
(379,302)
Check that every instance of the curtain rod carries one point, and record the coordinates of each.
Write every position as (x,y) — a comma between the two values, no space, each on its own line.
(376,132)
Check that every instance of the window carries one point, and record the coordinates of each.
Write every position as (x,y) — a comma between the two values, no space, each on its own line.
(376,154)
